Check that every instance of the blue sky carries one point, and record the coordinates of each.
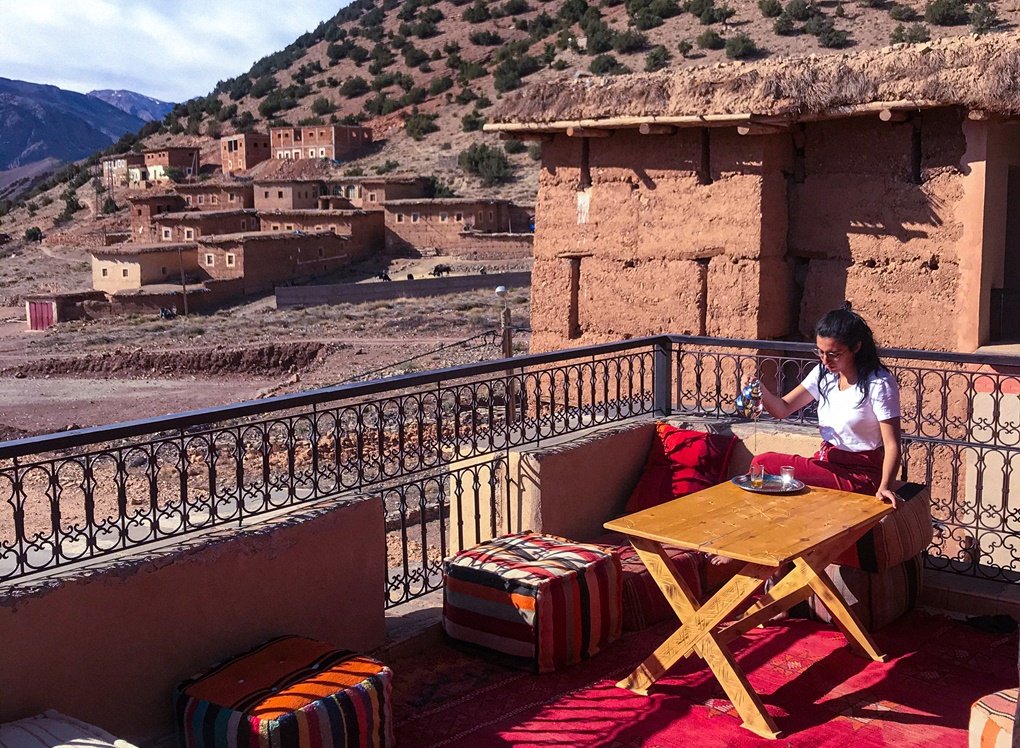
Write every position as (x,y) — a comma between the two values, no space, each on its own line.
(169,49)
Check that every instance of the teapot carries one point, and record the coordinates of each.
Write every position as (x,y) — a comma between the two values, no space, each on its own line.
(749,402)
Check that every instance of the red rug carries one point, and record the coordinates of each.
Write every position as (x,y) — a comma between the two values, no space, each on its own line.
(818,693)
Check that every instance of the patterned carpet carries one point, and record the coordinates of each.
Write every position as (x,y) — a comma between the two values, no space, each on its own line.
(818,693)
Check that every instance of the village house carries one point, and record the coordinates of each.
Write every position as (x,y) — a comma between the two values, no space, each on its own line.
(218,194)
(190,225)
(332,142)
(465,227)
(242,151)
(287,194)
(369,193)
(260,261)
(160,161)
(115,168)
(747,199)
(364,229)
(145,207)
(130,266)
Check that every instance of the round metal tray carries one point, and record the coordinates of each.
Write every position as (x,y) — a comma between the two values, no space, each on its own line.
(772,484)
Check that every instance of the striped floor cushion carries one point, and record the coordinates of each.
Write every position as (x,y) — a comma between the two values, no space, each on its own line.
(878,598)
(643,601)
(992,719)
(51,729)
(899,536)
(541,601)
(287,693)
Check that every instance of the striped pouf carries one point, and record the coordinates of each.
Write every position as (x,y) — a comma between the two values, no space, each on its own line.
(992,720)
(542,601)
(289,692)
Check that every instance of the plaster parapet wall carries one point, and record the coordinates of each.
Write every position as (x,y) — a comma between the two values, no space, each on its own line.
(109,644)
(351,293)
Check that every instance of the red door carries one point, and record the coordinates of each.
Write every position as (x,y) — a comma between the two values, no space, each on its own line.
(40,315)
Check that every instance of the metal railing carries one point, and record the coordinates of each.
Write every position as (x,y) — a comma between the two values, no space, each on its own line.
(434,446)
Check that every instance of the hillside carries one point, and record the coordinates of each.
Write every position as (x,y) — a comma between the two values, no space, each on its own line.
(45,124)
(423,73)
(138,105)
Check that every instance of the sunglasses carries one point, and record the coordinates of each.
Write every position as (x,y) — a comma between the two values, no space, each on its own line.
(829,355)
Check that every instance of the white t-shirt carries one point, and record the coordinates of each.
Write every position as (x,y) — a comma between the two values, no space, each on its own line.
(847,423)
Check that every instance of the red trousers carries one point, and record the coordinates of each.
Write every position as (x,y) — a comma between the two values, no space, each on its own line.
(857,472)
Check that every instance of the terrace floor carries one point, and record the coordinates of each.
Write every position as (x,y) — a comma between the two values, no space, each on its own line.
(818,693)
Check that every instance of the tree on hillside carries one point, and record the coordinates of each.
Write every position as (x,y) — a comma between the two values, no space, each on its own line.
(33,234)
(486,162)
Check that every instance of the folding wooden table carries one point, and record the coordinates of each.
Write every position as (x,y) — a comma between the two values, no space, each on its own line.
(769,532)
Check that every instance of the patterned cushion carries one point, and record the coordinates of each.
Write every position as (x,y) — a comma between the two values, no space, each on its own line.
(51,729)
(643,601)
(287,693)
(900,535)
(992,719)
(540,600)
(878,598)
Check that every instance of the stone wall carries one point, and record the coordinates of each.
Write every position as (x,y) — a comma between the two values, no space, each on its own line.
(355,293)
(709,232)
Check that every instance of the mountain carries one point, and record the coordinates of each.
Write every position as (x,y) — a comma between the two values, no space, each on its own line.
(135,104)
(40,122)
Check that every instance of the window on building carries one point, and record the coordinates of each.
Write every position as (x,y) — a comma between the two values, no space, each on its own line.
(167,234)
(231,197)
(490,215)
(189,233)
(230,259)
(459,217)
(201,199)
(210,260)
(320,252)
(187,170)
(322,153)
(415,217)
(138,211)
(265,193)
(187,199)
(162,271)
(311,153)
(371,197)
(444,217)
(244,224)
(288,226)
(214,199)
(479,216)
(124,273)
(105,272)
(279,154)
(400,217)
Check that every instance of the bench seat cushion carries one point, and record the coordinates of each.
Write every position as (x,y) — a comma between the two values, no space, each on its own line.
(51,729)
(992,720)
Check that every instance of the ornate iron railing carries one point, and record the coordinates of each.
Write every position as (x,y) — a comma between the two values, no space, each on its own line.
(433,446)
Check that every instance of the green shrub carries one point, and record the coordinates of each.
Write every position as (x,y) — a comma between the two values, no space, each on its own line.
(833,38)
(386,167)
(646,20)
(485,38)
(535,151)
(946,13)
(353,87)
(784,25)
(418,125)
(33,234)
(770,8)
(472,122)
(684,47)
(918,32)
(628,41)
(983,17)
(514,146)
(322,105)
(818,25)
(515,7)
(800,10)
(477,13)
(606,65)
(263,86)
(656,59)
(465,96)
(110,205)
(740,47)
(710,39)
(489,164)
(354,171)
(483,102)
(900,12)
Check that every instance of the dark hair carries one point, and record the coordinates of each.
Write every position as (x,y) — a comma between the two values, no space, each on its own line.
(850,329)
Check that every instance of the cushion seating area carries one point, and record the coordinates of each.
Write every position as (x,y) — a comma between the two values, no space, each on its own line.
(877,598)
(542,601)
(51,729)
(992,720)
(289,692)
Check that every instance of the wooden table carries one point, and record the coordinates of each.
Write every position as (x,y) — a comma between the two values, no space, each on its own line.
(768,532)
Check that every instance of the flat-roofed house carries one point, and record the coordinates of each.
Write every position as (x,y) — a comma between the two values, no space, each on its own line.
(332,142)
(369,193)
(287,194)
(145,207)
(159,161)
(124,267)
(218,194)
(243,150)
(470,228)
(116,168)
(186,226)
(746,199)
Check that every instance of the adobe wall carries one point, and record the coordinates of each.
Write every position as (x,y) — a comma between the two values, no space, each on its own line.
(203,224)
(648,248)
(866,232)
(110,644)
(149,267)
(356,293)
(265,263)
(298,196)
(474,246)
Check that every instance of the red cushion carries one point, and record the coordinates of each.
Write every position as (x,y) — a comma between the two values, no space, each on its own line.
(679,463)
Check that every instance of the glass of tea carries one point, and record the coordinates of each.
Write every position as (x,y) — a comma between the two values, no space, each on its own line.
(757,475)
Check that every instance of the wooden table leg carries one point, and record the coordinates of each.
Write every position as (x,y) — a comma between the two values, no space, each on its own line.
(697,634)
(857,636)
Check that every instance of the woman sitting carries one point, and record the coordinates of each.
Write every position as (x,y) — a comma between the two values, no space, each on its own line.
(858,412)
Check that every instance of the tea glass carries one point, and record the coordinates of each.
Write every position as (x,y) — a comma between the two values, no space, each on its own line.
(757,475)
(786,473)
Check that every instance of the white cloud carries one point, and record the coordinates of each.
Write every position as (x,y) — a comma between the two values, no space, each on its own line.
(170,49)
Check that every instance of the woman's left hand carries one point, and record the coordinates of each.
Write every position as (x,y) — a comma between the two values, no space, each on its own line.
(887,494)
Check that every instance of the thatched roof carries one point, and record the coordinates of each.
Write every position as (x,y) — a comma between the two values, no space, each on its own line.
(981,73)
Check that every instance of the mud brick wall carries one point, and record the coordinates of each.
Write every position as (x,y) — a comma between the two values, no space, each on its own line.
(658,242)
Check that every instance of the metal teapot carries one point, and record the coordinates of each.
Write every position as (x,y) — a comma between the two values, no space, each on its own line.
(748,402)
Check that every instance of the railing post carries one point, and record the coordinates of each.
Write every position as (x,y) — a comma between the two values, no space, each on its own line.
(662,376)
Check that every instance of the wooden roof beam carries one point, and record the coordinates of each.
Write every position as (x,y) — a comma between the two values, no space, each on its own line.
(649,128)
(537,137)
(754,129)
(893,115)
(588,132)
